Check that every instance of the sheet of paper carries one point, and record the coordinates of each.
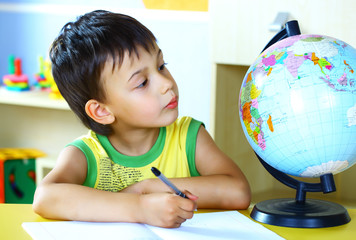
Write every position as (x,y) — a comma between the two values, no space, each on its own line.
(216,225)
(73,230)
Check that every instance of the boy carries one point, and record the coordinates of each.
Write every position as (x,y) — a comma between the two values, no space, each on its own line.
(111,72)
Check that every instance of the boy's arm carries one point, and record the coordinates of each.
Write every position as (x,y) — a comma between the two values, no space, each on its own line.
(61,196)
(221,184)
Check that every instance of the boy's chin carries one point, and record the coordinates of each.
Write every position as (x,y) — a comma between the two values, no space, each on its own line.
(172,118)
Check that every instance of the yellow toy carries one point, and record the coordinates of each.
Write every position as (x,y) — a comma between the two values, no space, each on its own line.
(45,79)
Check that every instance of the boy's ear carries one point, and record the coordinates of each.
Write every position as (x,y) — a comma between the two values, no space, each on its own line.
(98,112)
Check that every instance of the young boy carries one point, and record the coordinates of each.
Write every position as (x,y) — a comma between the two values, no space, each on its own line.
(111,72)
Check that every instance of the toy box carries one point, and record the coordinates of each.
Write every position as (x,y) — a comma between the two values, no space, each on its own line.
(18,174)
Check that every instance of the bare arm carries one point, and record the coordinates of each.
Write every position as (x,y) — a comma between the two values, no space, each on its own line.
(61,196)
(221,184)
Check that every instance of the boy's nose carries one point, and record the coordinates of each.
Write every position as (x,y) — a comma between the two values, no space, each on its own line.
(166,84)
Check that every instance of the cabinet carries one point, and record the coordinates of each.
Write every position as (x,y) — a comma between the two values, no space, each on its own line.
(239,31)
(32,120)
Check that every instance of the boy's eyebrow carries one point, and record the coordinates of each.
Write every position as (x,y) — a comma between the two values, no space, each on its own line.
(138,71)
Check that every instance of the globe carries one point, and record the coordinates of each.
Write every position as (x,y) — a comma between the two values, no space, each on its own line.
(297,105)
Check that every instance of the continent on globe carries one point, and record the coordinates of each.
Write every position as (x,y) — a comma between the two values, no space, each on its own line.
(270,124)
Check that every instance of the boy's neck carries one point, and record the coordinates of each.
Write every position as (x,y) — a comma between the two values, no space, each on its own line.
(134,142)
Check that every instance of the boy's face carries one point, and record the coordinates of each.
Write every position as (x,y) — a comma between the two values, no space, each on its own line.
(141,92)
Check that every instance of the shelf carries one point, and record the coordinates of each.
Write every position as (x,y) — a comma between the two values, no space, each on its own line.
(33,98)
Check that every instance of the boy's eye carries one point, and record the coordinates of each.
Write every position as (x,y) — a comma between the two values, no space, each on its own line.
(162,67)
(142,84)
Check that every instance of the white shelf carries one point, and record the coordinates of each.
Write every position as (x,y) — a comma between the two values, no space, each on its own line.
(33,98)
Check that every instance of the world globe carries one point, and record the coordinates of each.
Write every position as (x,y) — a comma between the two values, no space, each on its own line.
(297,105)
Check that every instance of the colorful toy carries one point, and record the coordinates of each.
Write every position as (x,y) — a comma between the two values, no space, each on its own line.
(40,77)
(45,79)
(54,94)
(17,174)
(15,80)
(13,185)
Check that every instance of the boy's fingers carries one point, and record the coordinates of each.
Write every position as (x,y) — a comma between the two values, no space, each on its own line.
(184,214)
(190,195)
(188,205)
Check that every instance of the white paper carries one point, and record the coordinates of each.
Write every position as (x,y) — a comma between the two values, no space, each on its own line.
(216,225)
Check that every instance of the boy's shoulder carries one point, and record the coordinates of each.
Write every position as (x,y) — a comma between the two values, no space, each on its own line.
(185,126)
(186,121)
(88,142)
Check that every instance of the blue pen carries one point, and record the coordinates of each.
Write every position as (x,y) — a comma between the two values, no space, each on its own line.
(163,178)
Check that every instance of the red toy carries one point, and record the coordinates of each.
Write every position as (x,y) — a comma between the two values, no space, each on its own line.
(15,81)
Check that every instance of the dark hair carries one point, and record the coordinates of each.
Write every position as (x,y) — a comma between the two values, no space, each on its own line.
(79,54)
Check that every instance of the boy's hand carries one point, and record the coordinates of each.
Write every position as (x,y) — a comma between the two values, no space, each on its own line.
(166,209)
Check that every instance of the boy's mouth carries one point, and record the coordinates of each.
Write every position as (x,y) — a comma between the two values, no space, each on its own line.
(173,103)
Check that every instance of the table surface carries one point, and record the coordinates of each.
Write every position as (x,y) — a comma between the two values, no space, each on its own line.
(13,215)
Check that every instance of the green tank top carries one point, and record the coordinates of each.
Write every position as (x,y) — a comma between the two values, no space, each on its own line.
(173,154)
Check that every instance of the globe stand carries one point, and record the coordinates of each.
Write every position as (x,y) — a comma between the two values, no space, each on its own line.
(291,29)
(300,212)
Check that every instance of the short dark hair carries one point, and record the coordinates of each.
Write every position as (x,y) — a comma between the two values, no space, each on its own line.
(79,54)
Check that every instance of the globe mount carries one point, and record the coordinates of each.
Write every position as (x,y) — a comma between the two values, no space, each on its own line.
(299,212)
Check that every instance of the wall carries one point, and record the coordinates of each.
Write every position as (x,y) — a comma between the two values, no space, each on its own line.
(29,27)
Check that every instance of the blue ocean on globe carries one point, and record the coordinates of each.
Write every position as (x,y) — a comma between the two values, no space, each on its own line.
(297,105)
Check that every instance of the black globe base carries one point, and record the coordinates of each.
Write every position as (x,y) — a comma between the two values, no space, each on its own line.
(312,213)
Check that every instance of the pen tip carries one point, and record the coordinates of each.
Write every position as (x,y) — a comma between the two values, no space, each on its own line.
(155,171)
